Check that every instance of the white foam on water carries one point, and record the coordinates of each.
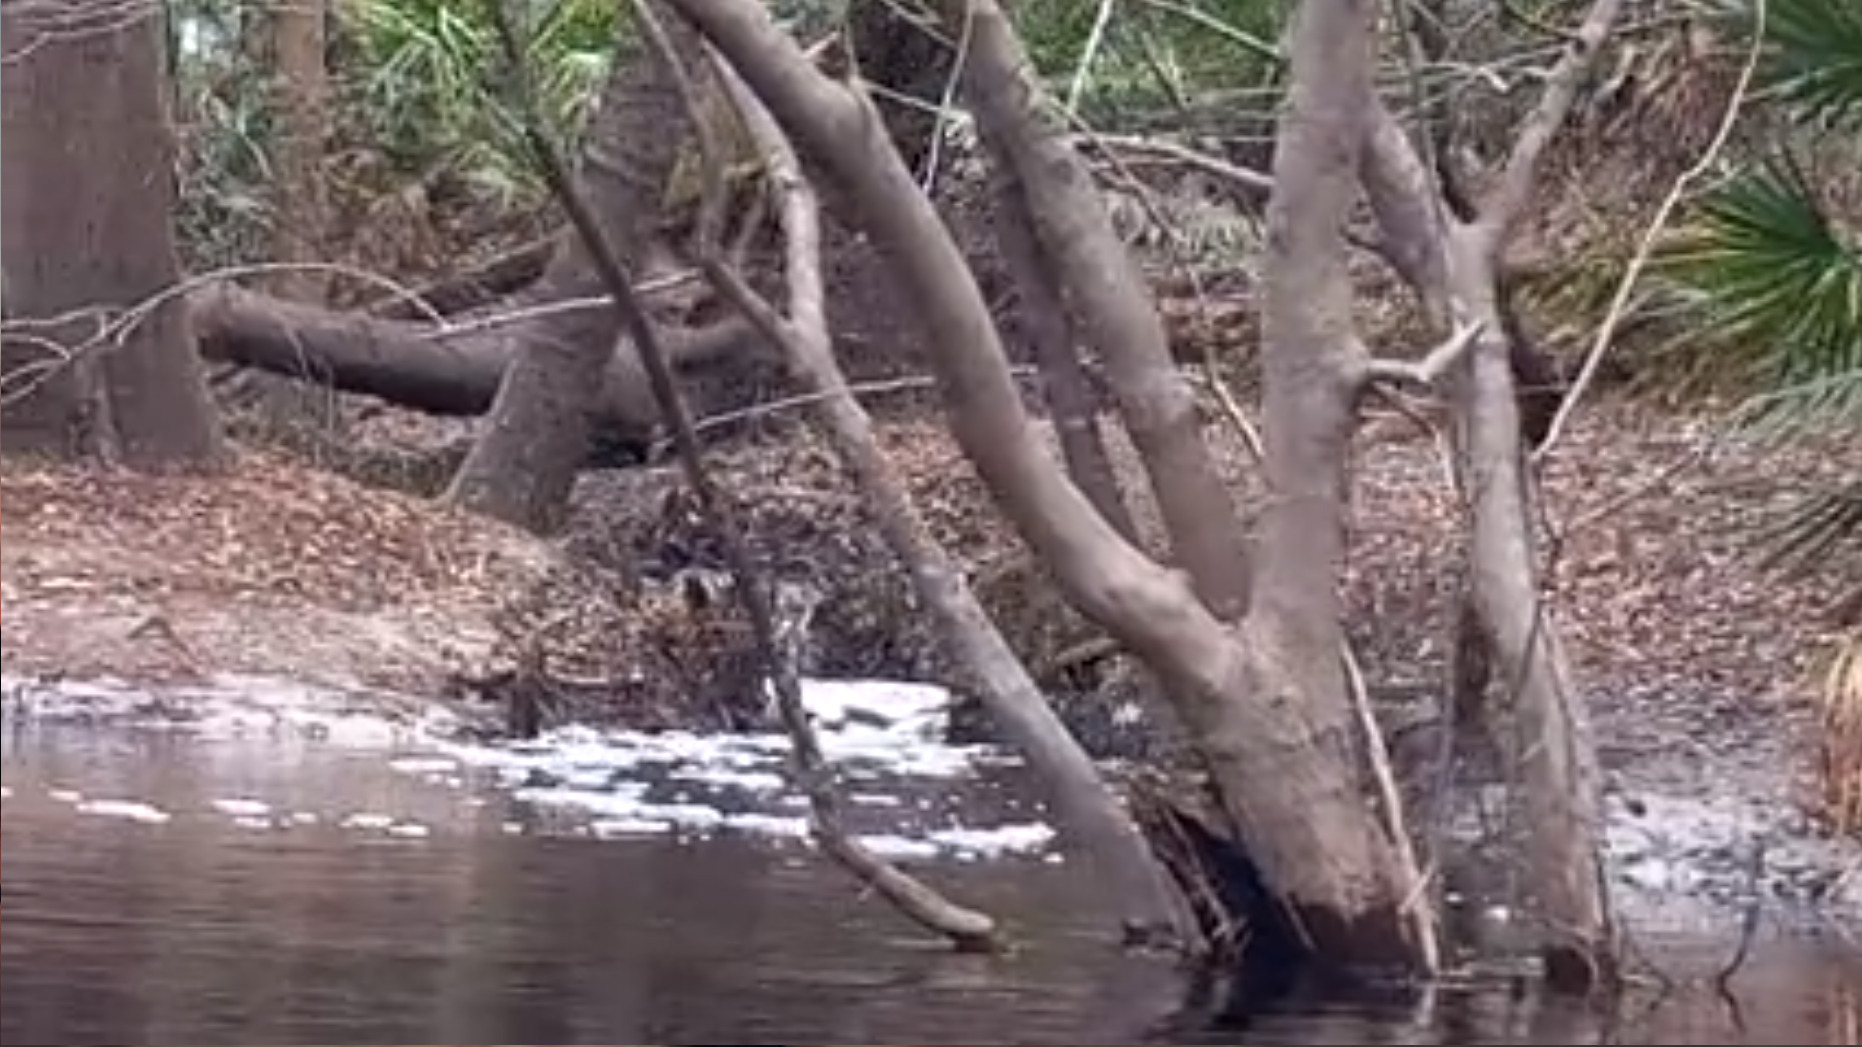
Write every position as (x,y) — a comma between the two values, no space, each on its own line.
(65,795)
(895,845)
(133,810)
(886,736)
(5,793)
(242,808)
(410,830)
(254,822)
(877,732)
(608,828)
(995,842)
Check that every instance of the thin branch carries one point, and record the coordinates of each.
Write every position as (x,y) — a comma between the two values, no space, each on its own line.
(450,328)
(115,325)
(1415,906)
(967,929)
(1233,34)
(781,405)
(1432,368)
(1645,248)
(947,104)
(1089,53)
(1245,177)
(1503,207)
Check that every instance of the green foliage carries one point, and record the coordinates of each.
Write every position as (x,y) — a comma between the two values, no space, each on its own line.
(415,113)
(421,82)
(1775,288)
(1772,276)
(1815,61)
(1152,54)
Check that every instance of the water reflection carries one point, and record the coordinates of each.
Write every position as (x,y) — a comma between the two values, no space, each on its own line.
(201,931)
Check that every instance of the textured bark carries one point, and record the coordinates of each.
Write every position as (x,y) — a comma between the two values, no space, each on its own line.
(88,172)
(1108,297)
(1086,808)
(300,110)
(1288,782)
(1311,367)
(524,462)
(1065,385)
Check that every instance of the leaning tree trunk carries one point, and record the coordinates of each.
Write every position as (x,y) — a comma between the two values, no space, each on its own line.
(1107,296)
(1454,265)
(524,463)
(86,220)
(1284,759)
(1066,386)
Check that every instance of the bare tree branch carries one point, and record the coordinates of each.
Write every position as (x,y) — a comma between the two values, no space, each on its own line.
(1645,247)
(1502,208)
(1116,313)
(967,929)
(1432,368)
(1084,803)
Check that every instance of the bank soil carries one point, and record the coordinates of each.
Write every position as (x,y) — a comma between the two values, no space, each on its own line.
(1698,661)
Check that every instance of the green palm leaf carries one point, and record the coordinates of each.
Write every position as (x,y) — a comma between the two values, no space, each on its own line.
(1815,60)
(1775,287)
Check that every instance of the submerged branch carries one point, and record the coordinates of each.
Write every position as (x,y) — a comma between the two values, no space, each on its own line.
(966,928)
(1085,805)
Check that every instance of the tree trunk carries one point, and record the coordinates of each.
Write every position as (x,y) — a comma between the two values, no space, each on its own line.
(87,220)
(524,462)
(1065,385)
(417,365)
(1107,294)
(1550,733)
(1454,266)
(300,115)
(1287,778)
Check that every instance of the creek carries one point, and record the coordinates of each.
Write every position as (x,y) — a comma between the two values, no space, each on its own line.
(258,875)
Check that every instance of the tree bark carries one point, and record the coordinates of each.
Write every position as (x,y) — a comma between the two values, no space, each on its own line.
(420,366)
(1107,294)
(524,463)
(1286,780)
(87,220)
(1065,385)
(300,111)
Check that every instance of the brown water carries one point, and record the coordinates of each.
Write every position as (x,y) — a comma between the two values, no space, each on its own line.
(201,930)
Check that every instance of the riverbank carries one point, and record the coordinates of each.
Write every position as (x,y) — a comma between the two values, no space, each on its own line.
(1697,661)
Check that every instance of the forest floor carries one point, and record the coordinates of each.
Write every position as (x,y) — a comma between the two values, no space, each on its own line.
(1699,662)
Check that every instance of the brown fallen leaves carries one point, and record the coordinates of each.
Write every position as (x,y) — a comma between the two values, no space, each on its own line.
(271,566)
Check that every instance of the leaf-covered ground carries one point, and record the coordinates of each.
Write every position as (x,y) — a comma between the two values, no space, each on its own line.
(1692,654)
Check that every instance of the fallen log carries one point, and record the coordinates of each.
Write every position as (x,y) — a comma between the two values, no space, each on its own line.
(419,365)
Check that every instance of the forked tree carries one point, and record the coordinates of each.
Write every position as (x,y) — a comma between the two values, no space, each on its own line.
(1253,659)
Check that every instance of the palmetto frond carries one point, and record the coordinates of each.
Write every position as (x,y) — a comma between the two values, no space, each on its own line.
(1815,61)
(1774,286)
(1772,278)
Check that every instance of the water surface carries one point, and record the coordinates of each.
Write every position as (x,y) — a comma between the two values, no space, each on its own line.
(205,928)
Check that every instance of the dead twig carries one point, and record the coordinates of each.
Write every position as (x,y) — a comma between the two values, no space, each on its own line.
(966,928)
